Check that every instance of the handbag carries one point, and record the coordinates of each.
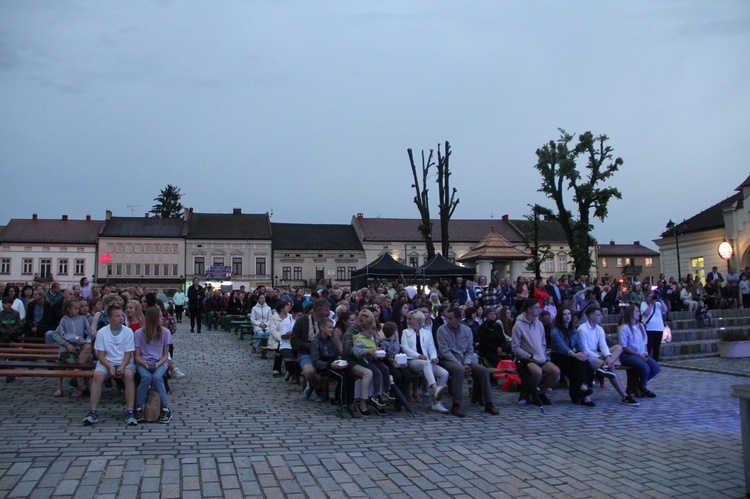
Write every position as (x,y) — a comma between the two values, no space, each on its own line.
(667,336)
(152,408)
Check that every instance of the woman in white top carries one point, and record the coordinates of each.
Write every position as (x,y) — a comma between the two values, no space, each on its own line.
(280,330)
(418,345)
(634,340)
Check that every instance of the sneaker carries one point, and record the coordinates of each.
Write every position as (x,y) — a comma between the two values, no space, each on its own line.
(166,415)
(58,393)
(91,418)
(381,411)
(177,374)
(319,397)
(388,397)
(439,392)
(130,418)
(604,371)
(288,376)
(439,407)
(647,393)
(308,391)
(377,402)
(544,399)
(629,400)
(77,393)
(139,414)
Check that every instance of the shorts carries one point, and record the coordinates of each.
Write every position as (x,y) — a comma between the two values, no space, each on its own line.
(101,369)
(305,359)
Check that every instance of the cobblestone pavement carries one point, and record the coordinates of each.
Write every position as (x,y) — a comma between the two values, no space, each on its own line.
(239,432)
(739,367)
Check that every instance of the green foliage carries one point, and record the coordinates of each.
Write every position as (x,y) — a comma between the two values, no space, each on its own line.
(168,203)
(539,252)
(557,163)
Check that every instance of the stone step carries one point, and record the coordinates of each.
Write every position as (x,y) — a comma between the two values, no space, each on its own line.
(681,348)
(664,359)
(691,324)
(687,315)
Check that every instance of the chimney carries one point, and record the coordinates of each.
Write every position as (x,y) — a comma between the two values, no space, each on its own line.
(33,217)
(108,216)
(65,217)
(637,243)
(612,242)
(146,214)
(88,217)
(505,218)
(360,215)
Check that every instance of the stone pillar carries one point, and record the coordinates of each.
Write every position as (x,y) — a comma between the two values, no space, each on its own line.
(502,273)
(516,269)
(484,267)
(742,392)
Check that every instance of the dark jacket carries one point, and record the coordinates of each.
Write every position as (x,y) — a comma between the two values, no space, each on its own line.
(302,335)
(196,296)
(323,352)
(44,323)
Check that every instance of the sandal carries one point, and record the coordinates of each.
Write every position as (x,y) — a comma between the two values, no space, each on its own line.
(276,373)
(58,393)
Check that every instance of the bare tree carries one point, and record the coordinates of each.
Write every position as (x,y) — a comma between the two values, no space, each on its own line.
(422,201)
(448,200)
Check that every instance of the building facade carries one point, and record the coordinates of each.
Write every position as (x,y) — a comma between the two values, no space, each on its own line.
(236,242)
(46,250)
(628,261)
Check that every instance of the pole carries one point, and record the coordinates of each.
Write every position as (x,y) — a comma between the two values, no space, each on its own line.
(679,269)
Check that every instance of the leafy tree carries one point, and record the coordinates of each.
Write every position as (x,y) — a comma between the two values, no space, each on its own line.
(448,200)
(421,199)
(168,203)
(557,163)
(539,252)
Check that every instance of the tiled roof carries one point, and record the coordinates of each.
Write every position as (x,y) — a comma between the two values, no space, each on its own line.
(144,227)
(710,218)
(493,246)
(58,231)
(406,229)
(314,237)
(613,249)
(229,226)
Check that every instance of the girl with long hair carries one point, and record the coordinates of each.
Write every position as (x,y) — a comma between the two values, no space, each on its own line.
(151,356)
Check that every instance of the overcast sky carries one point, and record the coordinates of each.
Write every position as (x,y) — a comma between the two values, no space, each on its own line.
(306,109)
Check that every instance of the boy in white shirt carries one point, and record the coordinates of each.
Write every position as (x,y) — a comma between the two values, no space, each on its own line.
(115,345)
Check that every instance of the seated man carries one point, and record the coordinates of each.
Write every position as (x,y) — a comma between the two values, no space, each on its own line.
(115,344)
(601,357)
(456,351)
(529,345)
(303,332)
(215,307)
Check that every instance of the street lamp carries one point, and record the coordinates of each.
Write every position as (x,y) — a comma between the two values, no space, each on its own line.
(726,252)
(670,227)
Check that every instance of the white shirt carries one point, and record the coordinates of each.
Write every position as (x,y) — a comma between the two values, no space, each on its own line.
(593,340)
(115,345)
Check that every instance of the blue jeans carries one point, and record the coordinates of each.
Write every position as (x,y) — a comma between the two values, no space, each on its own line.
(48,337)
(147,379)
(263,333)
(647,369)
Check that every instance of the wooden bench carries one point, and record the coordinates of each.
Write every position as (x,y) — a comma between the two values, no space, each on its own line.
(39,361)
(263,345)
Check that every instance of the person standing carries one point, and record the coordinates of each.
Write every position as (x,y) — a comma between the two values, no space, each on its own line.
(196,294)
(179,303)
(652,317)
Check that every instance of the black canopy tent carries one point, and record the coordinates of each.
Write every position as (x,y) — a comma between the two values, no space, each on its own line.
(439,266)
(383,266)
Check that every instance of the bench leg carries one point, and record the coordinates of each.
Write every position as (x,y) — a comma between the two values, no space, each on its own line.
(632,387)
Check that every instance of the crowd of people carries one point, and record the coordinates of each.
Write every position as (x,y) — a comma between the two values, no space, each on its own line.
(128,333)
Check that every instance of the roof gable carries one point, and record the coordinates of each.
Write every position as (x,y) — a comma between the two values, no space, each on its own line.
(229,226)
(288,236)
(710,218)
(48,231)
(407,229)
(144,227)
(635,249)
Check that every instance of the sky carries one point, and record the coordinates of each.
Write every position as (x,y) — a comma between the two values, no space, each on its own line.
(306,109)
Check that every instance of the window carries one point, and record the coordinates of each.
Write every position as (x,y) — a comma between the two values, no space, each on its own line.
(562,263)
(175,269)
(604,263)
(128,247)
(218,260)
(199,266)
(549,265)
(118,248)
(297,273)
(174,249)
(340,273)
(45,268)
(349,271)
(618,262)
(649,262)
(109,269)
(156,268)
(80,266)
(110,247)
(128,269)
(138,247)
(146,269)
(697,268)
(147,248)
(157,247)
(118,269)
(286,273)
(28,266)
(5,266)
(165,269)
(62,266)
(165,248)
(237,266)
(260,265)
(137,269)
(414,261)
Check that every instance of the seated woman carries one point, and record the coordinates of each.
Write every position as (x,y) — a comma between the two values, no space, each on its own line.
(569,356)
(275,327)
(686,297)
(151,356)
(134,315)
(74,337)
(634,340)
(38,315)
(418,345)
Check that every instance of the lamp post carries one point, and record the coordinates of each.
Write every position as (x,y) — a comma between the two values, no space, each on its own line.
(726,252)
(670,227)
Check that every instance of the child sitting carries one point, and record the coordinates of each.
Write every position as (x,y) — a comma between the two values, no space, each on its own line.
(115,345)
(10,321)
(73,335)
(401,374)
(702,316)
(151,357)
